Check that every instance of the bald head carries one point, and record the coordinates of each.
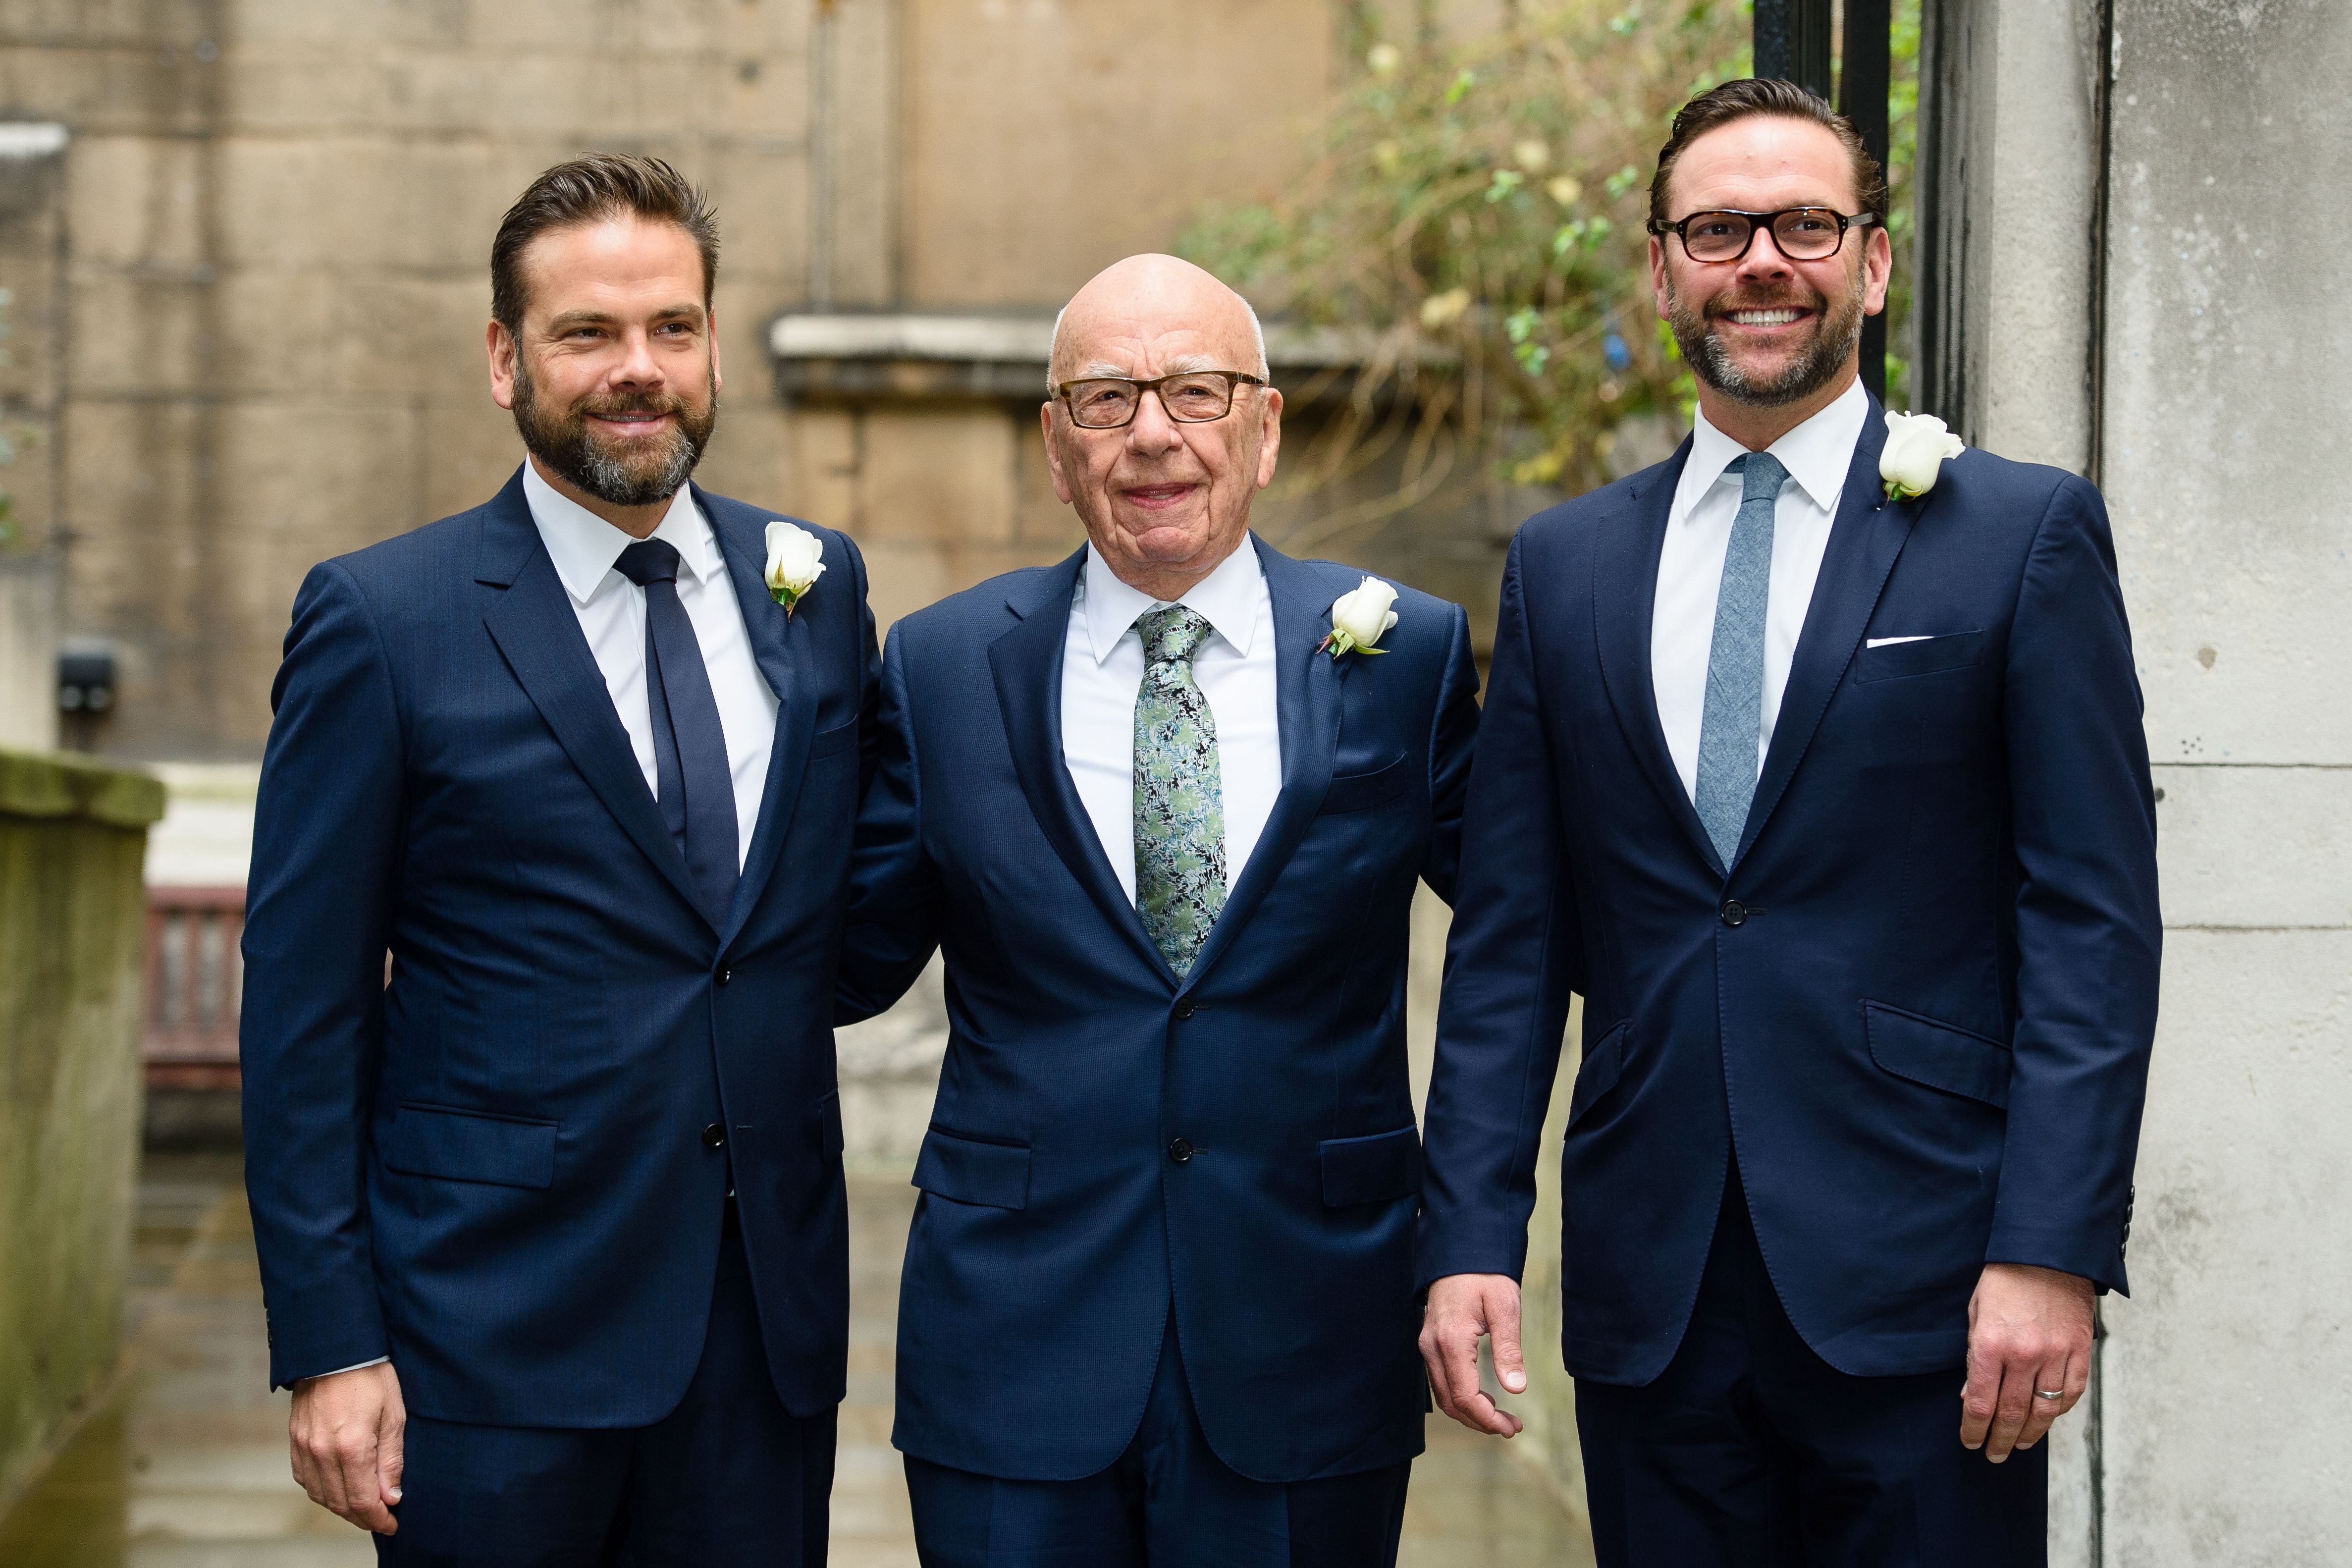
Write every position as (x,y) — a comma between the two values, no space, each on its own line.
(1150,293)
(1164,499)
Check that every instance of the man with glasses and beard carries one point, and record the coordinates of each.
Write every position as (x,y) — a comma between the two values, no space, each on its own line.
(552,1224)
(1823,782)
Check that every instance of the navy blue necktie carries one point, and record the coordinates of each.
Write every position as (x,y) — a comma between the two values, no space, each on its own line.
(694,785)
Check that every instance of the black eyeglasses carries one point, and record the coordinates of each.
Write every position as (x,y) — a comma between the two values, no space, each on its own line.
(1190,397)
(1802,234)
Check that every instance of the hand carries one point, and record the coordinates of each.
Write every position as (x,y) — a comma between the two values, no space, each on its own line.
(1462,1306)
(2029,1328)
(347,1435)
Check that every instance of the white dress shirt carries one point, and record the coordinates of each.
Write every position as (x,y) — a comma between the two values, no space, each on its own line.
(1817,455)
(612,612)
(1102,666)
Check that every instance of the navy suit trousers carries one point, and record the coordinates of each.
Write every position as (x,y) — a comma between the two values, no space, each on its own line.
(1751,1451)
(728,1479)
(1167,1503)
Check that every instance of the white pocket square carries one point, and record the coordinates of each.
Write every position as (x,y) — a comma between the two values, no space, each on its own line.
(1889,642)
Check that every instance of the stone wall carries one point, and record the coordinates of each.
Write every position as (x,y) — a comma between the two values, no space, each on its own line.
(2186,357)
(71,919)
(270,237)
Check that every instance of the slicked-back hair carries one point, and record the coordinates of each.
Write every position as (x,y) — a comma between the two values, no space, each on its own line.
(588,189)
(1748,99)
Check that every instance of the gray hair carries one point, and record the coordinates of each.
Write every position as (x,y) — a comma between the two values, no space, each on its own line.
(1257,334)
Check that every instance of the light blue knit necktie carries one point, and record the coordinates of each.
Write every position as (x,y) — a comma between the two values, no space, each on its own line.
(1732,724)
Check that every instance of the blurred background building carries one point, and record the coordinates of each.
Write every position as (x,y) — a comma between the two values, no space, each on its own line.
(243,284)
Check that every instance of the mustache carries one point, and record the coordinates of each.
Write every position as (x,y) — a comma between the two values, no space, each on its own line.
(608,407)
(1806,299)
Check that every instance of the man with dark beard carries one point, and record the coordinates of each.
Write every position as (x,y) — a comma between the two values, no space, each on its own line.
(1812,761)
(552,1224)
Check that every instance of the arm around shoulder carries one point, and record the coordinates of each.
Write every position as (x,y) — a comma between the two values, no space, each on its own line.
(893,920)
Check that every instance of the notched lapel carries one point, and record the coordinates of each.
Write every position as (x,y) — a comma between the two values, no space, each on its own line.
(530,619)
(1025,663)
(780,644)
(1308,688)
(1865,541)
(1624,603)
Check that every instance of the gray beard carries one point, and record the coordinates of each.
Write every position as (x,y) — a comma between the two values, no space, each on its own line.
(1806,375)
(570,453)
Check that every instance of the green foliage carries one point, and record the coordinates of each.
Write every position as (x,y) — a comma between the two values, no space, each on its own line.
(1475,213)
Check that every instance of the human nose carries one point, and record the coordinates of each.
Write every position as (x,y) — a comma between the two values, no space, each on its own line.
(1765,260)
(637,366)
(1151,429)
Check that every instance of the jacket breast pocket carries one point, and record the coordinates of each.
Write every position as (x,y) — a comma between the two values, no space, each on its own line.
(1941,1056)
(826,743)
(1925,656)
(1375,1170)
(471,1146)
(1599,1072)
(1361,792)
(973,1170)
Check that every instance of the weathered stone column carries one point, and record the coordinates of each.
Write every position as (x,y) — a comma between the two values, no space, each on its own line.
(73,918)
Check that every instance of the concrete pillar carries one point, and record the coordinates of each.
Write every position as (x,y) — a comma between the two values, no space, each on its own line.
(2227,1437)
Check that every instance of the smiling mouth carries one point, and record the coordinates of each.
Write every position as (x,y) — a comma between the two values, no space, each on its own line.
(637,420)
(1156,498)
(1779,317)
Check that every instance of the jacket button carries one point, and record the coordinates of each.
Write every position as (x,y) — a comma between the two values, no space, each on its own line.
(1185,1010)
(1735,913)
(726,975)
(1181,1151)
(713,1136)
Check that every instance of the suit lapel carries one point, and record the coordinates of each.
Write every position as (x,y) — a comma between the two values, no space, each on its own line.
(778,642)
(1624,603)
(1307,710)
(1026,663)
(1864,541)
(535,627)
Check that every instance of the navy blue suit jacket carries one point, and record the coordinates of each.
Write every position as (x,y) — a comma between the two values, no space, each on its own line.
(494,1168)
(1925,1029)
(1055,1227)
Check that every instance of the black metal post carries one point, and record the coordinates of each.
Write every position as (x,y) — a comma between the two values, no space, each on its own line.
(1793,42)
(1863,78)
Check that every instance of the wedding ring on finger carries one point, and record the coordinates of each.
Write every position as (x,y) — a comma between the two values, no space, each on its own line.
(2049,1393)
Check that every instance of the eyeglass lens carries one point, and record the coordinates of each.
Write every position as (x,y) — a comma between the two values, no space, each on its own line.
(1189,399)
(1804,233)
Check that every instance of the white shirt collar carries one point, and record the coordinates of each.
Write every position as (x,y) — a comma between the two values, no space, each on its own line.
(1818,454)
(1226,598)
(584,546)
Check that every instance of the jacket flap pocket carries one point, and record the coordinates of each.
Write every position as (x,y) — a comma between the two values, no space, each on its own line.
(1941,1056)
(829,1141)
(1926,656)
(824,742)
(1361,792)
(471,1146)
(1375,1170)
(970,1170)
(1597,1073)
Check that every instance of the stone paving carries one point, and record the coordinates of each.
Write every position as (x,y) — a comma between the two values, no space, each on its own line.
(186,1466)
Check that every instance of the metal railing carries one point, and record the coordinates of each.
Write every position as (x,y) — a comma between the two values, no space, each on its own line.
(195,974)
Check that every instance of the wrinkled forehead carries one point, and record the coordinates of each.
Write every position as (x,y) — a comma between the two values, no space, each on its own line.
(1153,332)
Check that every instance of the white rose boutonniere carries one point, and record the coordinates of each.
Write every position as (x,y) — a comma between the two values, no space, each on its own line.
(1917,447)
(795,561)
(1360,619)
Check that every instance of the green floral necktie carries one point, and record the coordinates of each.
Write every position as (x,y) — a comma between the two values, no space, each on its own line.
(1180,797)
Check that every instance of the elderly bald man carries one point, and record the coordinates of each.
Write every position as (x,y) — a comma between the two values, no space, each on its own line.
(1165,825)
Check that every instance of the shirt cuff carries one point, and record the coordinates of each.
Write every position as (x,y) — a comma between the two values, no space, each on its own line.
(353,1367)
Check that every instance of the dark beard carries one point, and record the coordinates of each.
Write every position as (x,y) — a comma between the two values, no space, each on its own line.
(643,473)
(1811,371)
